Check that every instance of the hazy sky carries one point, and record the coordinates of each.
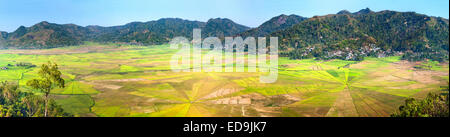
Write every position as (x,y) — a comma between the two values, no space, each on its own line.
(14,13)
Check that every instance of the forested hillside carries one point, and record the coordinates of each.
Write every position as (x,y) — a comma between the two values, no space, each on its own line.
(367,33)
(275,24)
(50,35)
(47,35)
(345,35)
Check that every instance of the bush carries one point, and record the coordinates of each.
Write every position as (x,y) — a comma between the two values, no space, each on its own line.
(434,105)
(14,103)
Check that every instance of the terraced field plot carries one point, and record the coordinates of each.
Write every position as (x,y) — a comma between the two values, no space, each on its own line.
(110,80)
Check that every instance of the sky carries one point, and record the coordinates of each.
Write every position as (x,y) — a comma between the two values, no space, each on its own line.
(252,13)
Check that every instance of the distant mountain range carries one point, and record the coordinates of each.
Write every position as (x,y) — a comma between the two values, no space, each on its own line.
(344,35)
(275,24)
(50,35)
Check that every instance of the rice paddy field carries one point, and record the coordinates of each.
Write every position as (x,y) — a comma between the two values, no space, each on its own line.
(108,80)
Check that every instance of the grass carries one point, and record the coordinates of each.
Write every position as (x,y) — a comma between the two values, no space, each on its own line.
(80,105)
(431,65)
(126,80)
(75,88)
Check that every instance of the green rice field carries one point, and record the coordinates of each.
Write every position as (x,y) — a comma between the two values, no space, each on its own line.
(108,80)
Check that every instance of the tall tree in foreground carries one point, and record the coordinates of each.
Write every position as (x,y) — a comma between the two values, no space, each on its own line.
(14,103)
(50,77)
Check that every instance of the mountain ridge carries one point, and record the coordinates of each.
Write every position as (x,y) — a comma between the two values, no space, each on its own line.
(50,35)
(274,24)
(344,35)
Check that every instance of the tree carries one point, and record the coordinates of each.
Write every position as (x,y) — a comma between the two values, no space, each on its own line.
(14,103)
(434,105)
(8,91)
(33,104)
(10,105)
(50,77)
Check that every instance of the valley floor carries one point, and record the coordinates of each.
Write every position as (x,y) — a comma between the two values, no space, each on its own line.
(122,81)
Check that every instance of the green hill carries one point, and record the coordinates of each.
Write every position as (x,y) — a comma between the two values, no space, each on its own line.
(3,36)
(47,35)
(275,24)
(345,35)
(152,32)
(367,33)
(50,35)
